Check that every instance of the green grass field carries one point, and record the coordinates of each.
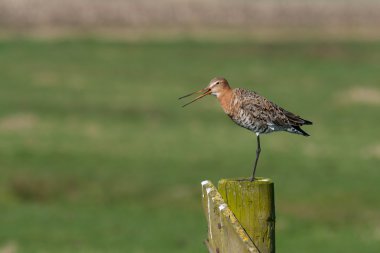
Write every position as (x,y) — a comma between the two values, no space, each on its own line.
(97,154)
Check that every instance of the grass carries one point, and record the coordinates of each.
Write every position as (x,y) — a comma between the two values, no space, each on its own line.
(97,154)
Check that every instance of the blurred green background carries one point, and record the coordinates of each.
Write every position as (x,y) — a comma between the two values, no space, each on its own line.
(97,154)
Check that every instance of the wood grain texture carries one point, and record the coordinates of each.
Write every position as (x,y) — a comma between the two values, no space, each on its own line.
(225,234)
(253,205)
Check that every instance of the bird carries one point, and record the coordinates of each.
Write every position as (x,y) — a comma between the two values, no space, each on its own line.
(252,111)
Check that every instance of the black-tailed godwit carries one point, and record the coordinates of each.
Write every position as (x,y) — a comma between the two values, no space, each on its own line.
(252,111)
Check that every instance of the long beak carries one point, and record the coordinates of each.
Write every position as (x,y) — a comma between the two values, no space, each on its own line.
(206,91)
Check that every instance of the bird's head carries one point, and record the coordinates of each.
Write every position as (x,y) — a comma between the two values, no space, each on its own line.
(216,87)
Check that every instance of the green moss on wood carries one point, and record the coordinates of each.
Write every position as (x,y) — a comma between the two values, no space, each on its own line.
(253,205)
(225,233)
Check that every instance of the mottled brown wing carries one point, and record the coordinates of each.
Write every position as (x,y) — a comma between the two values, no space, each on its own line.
(265,111)
(293,119)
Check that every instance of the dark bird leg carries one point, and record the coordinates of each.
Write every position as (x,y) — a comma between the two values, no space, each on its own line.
(258,150)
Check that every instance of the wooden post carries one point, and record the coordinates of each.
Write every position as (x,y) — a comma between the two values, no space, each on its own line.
(253,205)
(225,234)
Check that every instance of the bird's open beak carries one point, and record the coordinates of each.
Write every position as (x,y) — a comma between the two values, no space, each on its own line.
(206,91)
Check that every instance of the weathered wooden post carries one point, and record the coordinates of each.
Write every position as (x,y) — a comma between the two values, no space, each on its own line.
(249,208)
(253,205)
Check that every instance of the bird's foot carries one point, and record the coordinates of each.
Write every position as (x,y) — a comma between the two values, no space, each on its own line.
(252,179)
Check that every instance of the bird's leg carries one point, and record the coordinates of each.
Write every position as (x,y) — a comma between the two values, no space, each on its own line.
(258,150)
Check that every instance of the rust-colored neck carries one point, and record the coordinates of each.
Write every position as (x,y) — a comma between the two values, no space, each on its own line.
(225,98)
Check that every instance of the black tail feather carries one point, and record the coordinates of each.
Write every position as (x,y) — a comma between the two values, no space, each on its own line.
(300,131)
(306,122)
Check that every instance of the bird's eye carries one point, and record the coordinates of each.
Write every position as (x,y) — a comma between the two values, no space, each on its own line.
(217,82)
